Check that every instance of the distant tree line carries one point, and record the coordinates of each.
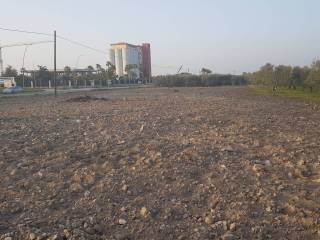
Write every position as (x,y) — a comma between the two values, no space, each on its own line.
(205,79)
(287,76)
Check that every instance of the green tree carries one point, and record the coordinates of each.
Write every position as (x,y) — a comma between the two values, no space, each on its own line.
(67,71)
(98,67)
(111,71)
(128,70)
(304,76)
(313,80)
(43,75)
(66,75)
(298,76)
(10,72)
(282,75)
(90,69)
(205,71)
(99,73)
(277,76)
(266,74)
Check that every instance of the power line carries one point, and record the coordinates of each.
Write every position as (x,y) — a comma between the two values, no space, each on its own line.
(63,38)
(24,44)
(82,45)
(23,31)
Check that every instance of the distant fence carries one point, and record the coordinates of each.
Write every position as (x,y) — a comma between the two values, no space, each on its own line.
(70,82)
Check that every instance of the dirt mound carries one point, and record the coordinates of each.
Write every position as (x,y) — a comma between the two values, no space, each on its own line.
(86,99)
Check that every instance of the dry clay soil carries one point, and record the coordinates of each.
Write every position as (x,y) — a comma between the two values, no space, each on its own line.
(159,163)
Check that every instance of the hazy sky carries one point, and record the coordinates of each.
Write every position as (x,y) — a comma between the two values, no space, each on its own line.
(226,36)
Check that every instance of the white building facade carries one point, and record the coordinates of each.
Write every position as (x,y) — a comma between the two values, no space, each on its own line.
(127,59)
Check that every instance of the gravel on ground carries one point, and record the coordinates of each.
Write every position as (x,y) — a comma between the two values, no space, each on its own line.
(159,163)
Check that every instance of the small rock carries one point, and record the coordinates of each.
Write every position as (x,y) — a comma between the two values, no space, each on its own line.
(225,225)
(98,228)
(144,211)
(86,193)
(218,226)
(32,236)
(66,233)
(208,220)
(8,238)
(124,188)
(223,167)
(40,174)
(256,143)
(89,179)
(228,236)
(13,172)
(54,237)
(232,227)
(89,230)
(122,221)
(76,187)
(227,149)
(257,167)
(308,221)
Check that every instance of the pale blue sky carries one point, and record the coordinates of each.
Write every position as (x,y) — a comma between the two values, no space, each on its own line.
(224,35)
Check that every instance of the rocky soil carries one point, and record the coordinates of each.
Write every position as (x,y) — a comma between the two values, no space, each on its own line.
(183,163)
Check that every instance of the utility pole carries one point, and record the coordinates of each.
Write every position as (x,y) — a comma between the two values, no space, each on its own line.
(55,64)
(1,62)
(24,56)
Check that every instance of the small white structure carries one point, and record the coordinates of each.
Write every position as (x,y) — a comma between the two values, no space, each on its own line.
(7,82)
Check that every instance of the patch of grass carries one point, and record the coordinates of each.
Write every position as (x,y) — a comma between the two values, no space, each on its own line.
(301,94)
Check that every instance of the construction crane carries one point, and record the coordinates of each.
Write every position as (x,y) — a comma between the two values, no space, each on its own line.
(16,45)
(179,70)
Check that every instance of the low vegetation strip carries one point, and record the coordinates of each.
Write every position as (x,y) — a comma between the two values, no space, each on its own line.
(203,80)
(299,93)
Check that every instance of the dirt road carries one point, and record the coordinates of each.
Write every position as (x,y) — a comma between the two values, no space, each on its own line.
(184,163)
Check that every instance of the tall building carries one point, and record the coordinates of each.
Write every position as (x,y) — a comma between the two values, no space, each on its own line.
(131,60)
(146,61)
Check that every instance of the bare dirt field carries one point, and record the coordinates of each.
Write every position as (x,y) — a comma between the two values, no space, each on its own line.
(159,163)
